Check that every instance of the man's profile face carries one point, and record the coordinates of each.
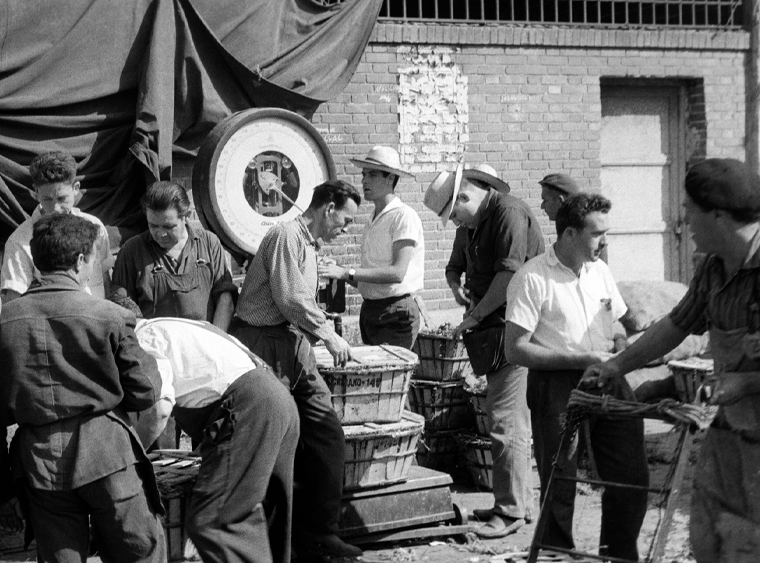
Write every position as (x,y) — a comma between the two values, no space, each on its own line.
(338,219)
(550,202)
(375,184)
(701,224)
(592,239)
(57,197)
(467,205)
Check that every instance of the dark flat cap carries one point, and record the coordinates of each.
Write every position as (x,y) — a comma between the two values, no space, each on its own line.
(561,182)
(727,184)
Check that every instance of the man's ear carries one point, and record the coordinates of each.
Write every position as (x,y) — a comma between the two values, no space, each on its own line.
(329,207)
(80,262)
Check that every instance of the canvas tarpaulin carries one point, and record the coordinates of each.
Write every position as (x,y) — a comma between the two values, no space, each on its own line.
(122,85)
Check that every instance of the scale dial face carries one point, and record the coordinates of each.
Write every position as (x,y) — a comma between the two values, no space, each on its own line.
(262,169)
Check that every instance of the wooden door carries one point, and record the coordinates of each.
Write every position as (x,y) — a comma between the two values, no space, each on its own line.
(642,169)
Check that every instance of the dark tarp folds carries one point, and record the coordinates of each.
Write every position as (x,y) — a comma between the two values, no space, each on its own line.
(121,85)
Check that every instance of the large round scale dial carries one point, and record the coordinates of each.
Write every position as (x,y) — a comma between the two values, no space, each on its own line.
(255,169)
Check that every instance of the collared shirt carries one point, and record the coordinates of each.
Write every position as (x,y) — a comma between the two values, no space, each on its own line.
(187,287)
(396,222)
(18,268)
(714,299)
(197,360)
(281,283)
(507,236)
(565,312)
(70,359)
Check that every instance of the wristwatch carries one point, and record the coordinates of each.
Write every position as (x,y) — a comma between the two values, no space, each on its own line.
(351,273)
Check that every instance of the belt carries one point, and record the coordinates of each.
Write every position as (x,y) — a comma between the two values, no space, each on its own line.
(751,436)
(388,300)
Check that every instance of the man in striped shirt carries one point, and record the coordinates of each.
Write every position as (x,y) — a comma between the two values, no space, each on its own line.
(723,212)
(279,320)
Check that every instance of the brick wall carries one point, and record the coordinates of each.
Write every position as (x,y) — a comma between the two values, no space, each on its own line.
(525,100)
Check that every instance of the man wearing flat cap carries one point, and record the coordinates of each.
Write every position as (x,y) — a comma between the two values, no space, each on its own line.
(723,212)
(392,269)
(556,188)
(497,235)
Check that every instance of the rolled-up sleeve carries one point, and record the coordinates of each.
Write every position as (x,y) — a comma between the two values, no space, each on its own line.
(511,229)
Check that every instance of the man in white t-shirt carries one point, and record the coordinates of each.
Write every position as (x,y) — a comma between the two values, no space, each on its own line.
(392,267)
(562,309)
(227,399)
(57,190)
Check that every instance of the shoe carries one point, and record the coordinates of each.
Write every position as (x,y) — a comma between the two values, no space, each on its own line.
(325,544)
(499,527)
(482,514)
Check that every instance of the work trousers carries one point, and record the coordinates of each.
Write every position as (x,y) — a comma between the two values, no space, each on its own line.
(395,321)
(124,526)
(620,456)
(509,420)
(725,503)
(321,447)
(241,505)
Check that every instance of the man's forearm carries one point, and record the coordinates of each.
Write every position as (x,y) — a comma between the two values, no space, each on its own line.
(658,340)
(223,311)
(495,297)
(534,356)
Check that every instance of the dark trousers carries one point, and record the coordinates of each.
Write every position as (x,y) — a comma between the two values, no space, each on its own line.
(240,507)
(321,447)
(395,321)
(124,525)
(620,456)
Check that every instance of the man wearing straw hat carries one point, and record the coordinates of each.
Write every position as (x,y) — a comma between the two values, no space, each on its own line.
(392,269)
(723,212)
(500,235)
(561,312)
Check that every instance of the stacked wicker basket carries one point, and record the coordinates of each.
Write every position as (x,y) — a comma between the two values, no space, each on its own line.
(476,447)
(368,395)
(437,393)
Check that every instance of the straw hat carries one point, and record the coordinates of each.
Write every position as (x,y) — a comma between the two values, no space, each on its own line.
(442,192)
(487,174)
(382,158)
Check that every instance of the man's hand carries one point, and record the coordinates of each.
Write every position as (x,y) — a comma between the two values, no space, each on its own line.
(600,375)
(11,520)
(467,324)
(339,349)
(328,269)
(460,295)
(725,389)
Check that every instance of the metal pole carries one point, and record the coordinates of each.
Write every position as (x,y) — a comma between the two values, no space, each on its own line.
(752,12)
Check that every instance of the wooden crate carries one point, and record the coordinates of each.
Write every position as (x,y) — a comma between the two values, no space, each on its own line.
(441,358)
(373,388)
(380,454)
(175,477)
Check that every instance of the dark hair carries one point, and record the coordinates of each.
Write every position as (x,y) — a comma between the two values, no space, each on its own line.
(53,167)
(162,196)
(726,184)
(396,177)
(334,191)
(575,209)
(126,302)
(59,239)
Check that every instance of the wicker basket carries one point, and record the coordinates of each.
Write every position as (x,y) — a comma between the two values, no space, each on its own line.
(689,375)
(443,404)
(439,450)
(380,454)
(175,477)
(373,388)
(441,358)
(478,402)
(477,451)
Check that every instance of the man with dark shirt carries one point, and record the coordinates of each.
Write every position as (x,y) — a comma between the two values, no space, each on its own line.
(73,370)
(497,235)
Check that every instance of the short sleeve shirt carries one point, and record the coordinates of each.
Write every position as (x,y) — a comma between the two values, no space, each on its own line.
(565,312)
(18,270)
(507,236)
(397,222)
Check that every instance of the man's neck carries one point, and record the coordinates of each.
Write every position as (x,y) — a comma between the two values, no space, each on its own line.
(734,252)
(382,202)
(310,218)
(568,258)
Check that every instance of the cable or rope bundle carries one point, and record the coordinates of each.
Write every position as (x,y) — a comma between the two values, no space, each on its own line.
(582,404)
